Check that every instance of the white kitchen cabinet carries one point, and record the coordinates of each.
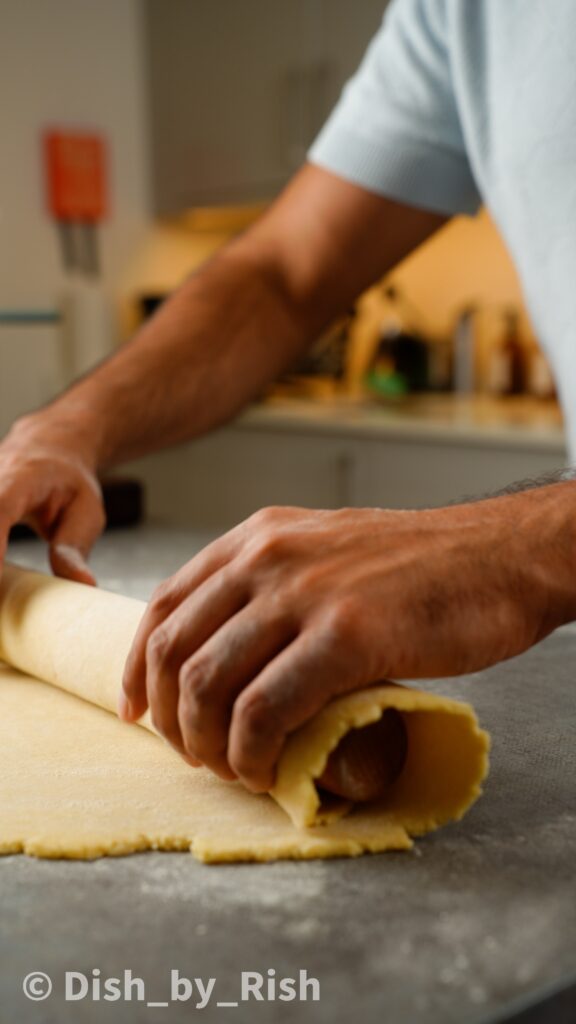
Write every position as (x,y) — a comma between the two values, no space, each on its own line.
(400,473)
(237,90)
(31,368)
(219,480)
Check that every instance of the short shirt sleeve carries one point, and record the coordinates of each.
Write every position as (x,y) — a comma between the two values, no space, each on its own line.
(396,129)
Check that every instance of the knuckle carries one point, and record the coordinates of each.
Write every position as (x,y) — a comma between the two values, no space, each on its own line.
(252,713)
(195,681)
(341,623)
(158,647)
(268,546)
(162,600)
(11,462)
(265,517)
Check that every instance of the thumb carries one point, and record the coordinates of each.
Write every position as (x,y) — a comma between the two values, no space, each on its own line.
(79,526)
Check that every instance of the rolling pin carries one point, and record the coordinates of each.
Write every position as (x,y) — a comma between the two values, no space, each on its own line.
(367,761)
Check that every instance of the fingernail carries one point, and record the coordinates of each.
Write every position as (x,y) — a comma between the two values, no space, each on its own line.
(73,558)
(124,707)
(71,555)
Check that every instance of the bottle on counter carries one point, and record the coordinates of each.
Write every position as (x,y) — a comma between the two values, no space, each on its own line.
(465,351)
(540,380)
(507,363)
(441,365)
(400,362)
(322,371)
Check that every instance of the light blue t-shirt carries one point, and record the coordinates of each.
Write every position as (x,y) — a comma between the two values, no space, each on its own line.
(459,102)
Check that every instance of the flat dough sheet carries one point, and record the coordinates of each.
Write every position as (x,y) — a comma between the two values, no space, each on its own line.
(76,782)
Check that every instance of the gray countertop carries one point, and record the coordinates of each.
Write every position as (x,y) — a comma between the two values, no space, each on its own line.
(478,915)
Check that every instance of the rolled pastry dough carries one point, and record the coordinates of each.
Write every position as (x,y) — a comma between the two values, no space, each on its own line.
(77,782)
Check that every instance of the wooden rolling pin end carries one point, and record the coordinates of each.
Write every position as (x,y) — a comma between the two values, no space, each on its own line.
(367,761)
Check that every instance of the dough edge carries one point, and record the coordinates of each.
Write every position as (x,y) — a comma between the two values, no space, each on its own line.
(307,751)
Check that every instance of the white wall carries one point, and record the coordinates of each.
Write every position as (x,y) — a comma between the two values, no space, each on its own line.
(76,63)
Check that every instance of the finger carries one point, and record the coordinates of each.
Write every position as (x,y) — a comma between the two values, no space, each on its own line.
(5,526)
(213,677)
(165,600)
(78,526)
(68,562)
(179,636)
(15,501)
(13,504)
(286,694)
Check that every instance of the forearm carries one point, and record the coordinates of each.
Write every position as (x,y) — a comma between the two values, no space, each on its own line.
(228,331)
(236,324)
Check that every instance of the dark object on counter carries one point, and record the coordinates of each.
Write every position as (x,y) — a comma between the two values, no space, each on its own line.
(149,303)
(441,366)
(124,505)
(540,379)
(465,351)
(399,365)
(508,360)
(327,356)
(400,362)
(123,502)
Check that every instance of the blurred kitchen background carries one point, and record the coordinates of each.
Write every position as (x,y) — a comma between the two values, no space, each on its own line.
(138,136)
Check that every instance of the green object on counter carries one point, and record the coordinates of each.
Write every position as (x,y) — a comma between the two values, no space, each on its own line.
(389,385)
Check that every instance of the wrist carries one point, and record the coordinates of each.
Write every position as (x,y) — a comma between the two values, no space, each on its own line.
(544,521)
(66,429)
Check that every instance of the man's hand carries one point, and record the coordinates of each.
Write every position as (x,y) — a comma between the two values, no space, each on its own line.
(294,607)
(46,481)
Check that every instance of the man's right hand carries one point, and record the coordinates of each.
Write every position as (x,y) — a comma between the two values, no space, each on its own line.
(46,480)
